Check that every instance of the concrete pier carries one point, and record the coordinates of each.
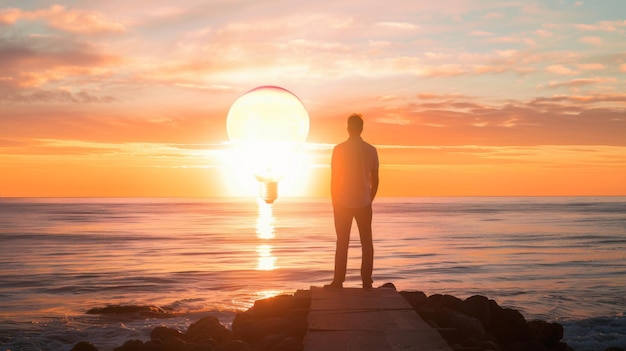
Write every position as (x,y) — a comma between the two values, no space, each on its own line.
(367,319)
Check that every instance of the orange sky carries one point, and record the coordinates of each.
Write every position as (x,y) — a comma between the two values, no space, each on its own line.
(124,98)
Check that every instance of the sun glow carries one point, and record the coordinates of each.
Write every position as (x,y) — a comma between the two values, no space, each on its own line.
(267,127)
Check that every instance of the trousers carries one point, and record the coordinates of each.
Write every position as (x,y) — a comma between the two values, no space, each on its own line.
(343,224)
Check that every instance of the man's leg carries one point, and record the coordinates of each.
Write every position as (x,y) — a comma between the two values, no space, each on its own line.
(364,222)
(343,223)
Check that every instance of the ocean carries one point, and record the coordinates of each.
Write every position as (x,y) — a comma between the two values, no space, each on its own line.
(558,259)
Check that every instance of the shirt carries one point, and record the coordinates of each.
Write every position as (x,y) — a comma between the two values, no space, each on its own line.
(352,165)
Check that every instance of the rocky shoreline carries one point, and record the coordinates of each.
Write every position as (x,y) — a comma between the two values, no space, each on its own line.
(280,324)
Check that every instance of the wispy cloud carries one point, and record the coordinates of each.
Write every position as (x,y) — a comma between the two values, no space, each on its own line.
(560,70)
(70,20)
(591,40)
(583,81)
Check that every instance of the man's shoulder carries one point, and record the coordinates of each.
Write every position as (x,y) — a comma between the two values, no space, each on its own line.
(369,146)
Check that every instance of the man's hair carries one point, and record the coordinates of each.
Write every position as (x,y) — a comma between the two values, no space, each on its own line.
(355,123)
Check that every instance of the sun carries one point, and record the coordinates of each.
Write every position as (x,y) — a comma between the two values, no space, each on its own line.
(267,127)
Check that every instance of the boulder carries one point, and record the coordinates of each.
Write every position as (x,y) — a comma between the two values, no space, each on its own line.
(467,326)
(205,329)
(478,307)
(289,344)
(417,299)
(245,330)
(547,333)
(272,326)
(84,346)
(131,345)
(281,305)
(452,302)
(298,327)
(163,333)
(509,326)
(389,286)
(235,345)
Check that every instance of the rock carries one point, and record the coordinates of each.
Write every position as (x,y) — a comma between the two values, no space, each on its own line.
(199,347)
(474,343)
(467,326)
(548,334)
(289,344)
(271,326)
(131,345)
(268,342)
(510,326)
(528,345)
(415,298)
(281,305)
(388,286)
(298,327)
(173,344)
(234,345)
(478,307)
(153,345)
(561,346)
(205,329)
(84,346)
(480,323)
(163,333)
(245,330)
(451,302)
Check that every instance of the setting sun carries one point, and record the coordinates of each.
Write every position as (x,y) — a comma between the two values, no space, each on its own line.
(267,127)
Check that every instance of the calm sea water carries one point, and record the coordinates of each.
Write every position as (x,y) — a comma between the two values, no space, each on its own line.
(557,259)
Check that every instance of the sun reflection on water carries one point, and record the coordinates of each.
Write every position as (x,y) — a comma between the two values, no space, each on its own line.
(267,261)
(265,231)
(265,221)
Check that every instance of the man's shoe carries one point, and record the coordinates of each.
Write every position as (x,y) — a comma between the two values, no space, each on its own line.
(334,285)
(367,285)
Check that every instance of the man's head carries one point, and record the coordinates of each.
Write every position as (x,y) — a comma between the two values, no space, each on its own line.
(355,124)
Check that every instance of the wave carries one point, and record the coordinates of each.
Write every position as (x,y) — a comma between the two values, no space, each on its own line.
(595,334)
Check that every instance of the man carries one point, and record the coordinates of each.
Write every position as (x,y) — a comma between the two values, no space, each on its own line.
(353,186)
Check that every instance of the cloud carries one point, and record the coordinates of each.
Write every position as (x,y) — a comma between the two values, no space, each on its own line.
(596,41)
(485,69)
(398,25)
(622,67)
(33,53)
(560,70)
(10,94)
(41,68)
(493,15)
(456,119)
(588,100)
(591,66)
(543,33)
(603,26)
(435,96)
(69,20)
(480,33)
(583,82)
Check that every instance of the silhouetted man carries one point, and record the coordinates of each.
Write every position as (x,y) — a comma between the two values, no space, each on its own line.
(353,186)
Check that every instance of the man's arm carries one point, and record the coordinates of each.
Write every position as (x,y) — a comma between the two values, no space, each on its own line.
(374,185)
(333,178)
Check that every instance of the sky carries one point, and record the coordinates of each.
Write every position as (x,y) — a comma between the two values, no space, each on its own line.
(461,98)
